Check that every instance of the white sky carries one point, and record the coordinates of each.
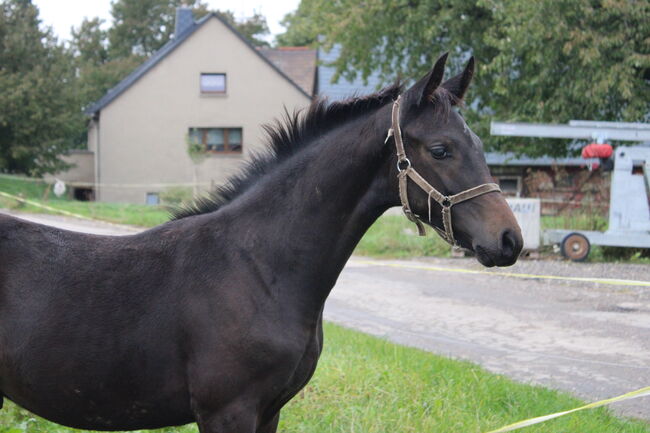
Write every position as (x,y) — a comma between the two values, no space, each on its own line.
(63,14)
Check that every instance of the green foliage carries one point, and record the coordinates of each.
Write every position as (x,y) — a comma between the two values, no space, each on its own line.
(141,27)
(89,42)
(366,384)
(546,61)
(619,254)
(568,59)
(39,119)
(301,29)
(253,28)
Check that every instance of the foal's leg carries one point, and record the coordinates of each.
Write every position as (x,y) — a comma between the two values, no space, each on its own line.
(271,426)
(233,419)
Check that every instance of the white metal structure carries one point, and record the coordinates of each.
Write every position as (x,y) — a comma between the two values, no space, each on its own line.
(629,212)
(527,212)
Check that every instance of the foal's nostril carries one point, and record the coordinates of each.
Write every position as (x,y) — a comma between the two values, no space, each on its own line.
(508,244)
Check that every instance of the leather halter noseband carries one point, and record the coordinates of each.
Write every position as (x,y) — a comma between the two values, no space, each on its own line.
(405,171)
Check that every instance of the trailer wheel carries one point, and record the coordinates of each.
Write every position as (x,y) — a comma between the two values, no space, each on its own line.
(575,247)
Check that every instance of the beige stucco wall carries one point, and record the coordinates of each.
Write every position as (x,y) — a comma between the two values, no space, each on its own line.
(82,173)
(142,133)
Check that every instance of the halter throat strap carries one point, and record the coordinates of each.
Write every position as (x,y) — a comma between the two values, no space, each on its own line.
(406,171)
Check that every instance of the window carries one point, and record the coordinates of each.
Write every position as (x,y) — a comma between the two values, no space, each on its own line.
(220,140)
(509,186)
(213,83)
(153,198)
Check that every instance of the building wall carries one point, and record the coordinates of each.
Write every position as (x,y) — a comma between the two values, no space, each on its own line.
(143,132)
(82,172)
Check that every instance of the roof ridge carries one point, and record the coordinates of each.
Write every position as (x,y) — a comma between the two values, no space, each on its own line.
(166,49)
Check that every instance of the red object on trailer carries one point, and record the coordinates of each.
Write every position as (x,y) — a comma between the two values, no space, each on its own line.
(596,150)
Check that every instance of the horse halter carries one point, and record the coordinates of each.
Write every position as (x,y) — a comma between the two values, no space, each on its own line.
(405,171)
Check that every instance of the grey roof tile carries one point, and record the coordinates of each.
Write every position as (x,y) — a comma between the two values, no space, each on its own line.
(342,89)
(299,63)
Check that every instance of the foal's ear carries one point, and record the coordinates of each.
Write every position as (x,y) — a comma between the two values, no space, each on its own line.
(424,88)
(458,85)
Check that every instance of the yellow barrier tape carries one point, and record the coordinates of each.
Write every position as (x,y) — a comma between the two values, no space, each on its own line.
(643,392)
(610,281)
(43,206)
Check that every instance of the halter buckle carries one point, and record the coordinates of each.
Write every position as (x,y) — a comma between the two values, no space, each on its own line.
(403,164)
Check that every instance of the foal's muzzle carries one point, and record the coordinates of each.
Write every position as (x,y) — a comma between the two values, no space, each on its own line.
(503,252)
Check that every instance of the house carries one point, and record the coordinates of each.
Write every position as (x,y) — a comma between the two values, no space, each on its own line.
(208,87)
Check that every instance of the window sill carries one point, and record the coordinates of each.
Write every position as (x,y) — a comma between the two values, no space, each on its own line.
(216,153)
(212,95)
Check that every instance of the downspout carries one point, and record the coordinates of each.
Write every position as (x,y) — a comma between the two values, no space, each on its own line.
(97,154)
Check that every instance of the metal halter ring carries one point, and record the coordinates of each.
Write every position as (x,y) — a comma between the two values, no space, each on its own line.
(445,202)
(401,167)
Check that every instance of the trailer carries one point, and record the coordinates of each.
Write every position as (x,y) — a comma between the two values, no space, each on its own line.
(629,210)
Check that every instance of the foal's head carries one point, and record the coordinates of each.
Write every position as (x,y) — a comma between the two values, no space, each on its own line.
(449,156)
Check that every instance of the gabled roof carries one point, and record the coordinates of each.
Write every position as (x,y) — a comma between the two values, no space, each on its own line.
(299,63)
(166,50)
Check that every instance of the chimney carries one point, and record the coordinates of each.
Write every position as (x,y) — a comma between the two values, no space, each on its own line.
(184,20)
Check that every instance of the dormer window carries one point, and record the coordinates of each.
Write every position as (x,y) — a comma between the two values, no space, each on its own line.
(213,83)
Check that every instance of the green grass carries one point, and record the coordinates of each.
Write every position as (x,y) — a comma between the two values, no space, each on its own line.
(139,215)
(393,236)
(574,222)
(365,384)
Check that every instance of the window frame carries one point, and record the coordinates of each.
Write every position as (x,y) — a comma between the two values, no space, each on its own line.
(152,194)
(213,92)
(226,142)
(517,179)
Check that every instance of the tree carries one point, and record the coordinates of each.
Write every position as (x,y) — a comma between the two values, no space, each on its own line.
(253,28)
(562,60)
(39,115)
(301,30)
(546,61)
(89,42)
(97,70)
(141,27)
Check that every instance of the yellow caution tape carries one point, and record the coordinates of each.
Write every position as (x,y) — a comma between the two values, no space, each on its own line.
(643,392)
(610,281)
(42,206)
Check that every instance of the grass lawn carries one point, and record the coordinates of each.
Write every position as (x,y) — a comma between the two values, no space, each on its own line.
(365,384)
(139,215)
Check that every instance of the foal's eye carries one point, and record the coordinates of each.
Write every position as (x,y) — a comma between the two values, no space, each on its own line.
(439,151)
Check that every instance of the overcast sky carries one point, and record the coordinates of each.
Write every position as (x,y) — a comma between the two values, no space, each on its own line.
(63,14)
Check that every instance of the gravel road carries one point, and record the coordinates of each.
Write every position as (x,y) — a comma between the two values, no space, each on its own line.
(591,338)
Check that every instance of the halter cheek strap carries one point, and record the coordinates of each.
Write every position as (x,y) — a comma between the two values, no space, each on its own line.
(406,171)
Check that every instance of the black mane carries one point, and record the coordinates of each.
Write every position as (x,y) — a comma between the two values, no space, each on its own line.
(285,138)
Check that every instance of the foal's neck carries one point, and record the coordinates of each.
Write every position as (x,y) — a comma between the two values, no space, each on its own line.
(311,212)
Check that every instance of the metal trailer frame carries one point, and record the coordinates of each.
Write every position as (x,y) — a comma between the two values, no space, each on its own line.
(629,212)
